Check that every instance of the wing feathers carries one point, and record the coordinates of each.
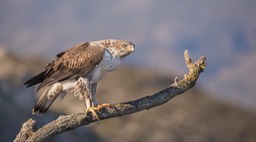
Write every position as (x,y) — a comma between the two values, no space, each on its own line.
(60,54)
(73,63)
(35,80)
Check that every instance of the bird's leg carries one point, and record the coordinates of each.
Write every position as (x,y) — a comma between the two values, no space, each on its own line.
(56,89)
(85,89)
(93,88)
(94,102)
(80,88)
(89,105)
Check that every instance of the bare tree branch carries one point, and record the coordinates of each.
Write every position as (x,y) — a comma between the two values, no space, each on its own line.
(72,121)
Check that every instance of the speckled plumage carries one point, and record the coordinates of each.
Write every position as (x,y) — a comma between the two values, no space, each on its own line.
(88,60)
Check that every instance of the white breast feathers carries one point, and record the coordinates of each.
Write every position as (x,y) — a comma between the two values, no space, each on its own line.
(108,63)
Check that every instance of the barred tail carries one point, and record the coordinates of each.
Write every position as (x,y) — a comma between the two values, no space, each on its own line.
(44,102)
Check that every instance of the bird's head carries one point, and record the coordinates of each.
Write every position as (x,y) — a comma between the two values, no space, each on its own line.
(125,48)
(121,48)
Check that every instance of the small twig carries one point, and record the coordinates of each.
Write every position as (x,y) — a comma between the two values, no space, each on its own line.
(72,121)
(26,131)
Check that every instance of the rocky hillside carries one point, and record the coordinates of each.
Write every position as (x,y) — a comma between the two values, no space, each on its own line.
(193,116)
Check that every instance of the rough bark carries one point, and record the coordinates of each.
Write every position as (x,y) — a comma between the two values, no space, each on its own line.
(65,123)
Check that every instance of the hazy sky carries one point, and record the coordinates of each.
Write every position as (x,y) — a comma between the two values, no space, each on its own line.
(222,30)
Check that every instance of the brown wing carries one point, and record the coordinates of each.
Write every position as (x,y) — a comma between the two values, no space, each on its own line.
(72,63)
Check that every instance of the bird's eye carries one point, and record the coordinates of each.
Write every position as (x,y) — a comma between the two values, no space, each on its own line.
(124,45)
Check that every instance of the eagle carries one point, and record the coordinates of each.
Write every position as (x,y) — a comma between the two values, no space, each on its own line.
(77,71)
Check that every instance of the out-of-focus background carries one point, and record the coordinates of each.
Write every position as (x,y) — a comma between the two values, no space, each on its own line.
(221,107)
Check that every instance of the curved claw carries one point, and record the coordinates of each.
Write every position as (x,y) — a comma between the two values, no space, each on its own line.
(102,105)
(98,107)
(90,109)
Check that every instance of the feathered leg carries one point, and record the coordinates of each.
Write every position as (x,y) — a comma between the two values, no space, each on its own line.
(83,90)
(93,88)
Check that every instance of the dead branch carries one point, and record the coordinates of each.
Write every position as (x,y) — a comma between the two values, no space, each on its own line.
(72,121)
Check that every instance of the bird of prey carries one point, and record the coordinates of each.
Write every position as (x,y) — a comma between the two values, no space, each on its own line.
(77,71)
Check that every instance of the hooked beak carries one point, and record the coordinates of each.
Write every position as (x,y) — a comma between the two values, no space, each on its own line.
(131,48)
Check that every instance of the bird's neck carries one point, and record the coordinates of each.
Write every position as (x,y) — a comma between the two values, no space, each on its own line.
(112,51)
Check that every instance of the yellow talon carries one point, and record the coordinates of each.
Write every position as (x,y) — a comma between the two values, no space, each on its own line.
(100,106)
(105,105)
(93,113)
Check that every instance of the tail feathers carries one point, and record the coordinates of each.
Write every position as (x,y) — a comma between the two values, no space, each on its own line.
(36,79)
(44,102)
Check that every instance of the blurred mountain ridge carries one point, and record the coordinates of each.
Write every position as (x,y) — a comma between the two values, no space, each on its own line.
(193,116)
